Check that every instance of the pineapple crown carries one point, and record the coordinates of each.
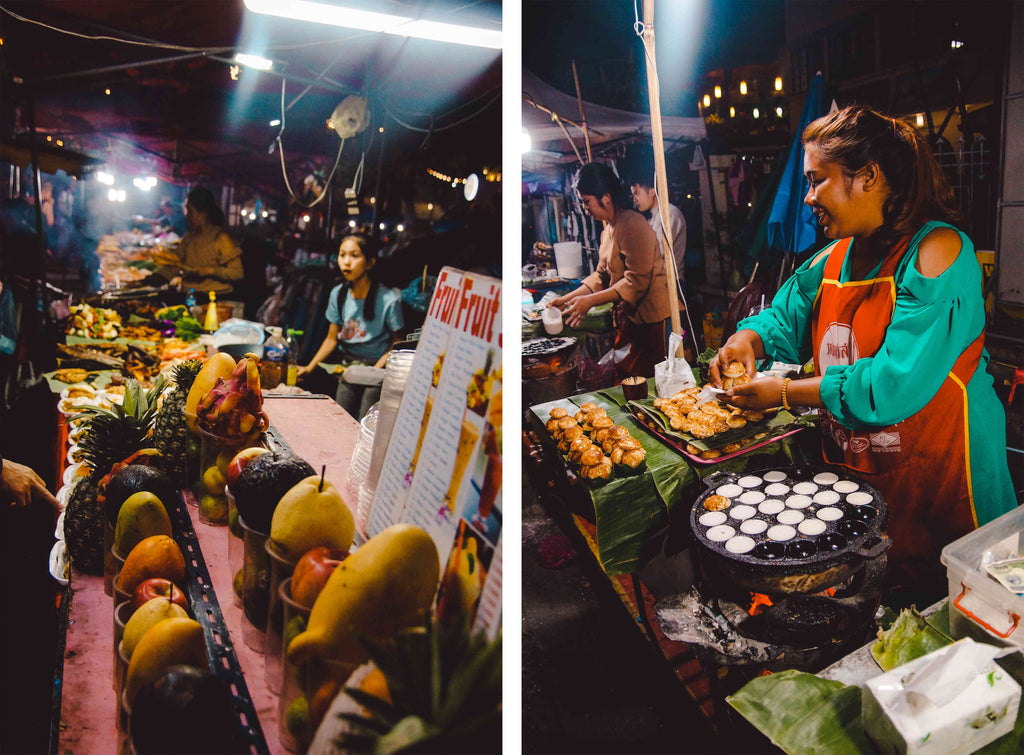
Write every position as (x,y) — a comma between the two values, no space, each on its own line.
(113,434)
(184,373)
(445,688)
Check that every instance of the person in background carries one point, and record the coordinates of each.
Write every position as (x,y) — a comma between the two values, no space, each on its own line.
(210,259)
(630,273)
(893,316)
(645,199)
(365,319)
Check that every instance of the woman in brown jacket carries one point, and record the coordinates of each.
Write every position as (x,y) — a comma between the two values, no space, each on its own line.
(630,272)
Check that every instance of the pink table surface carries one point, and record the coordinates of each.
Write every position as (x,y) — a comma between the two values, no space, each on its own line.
(318,430)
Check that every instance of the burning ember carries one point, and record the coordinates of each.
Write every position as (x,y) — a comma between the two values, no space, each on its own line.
(759,603)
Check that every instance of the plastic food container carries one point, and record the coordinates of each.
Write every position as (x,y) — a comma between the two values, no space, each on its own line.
(980,607)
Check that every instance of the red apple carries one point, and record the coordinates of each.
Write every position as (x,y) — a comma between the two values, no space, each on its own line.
(312,572)
(238,462)
(158,587)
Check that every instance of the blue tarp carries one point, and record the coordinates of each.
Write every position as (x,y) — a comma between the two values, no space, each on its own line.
(791,224)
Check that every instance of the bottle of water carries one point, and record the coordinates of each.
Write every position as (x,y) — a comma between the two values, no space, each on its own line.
(292,375)
(275,359)
(190,300)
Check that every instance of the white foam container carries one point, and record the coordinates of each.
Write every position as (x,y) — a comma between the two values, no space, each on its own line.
(980,607)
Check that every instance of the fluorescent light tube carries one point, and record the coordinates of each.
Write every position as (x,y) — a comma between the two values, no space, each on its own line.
(254,61)
(333,15)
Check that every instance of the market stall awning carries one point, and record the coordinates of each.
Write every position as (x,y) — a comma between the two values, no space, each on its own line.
(50,158)
(606,124)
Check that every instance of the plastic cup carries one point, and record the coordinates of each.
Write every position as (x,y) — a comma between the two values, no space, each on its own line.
(120,669)
(236,545)
(255,587)
(294,738)
(209,490)
(280,570)
(122,613)
(118,561)
(108,562)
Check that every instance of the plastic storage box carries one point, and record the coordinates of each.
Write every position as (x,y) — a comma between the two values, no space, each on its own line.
(980,607)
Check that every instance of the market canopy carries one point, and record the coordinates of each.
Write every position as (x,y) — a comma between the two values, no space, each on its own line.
(154,85)
(606,125)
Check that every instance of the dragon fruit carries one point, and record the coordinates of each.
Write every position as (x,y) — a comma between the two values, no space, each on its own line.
(233,408)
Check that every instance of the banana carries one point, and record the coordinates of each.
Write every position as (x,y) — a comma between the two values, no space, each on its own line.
(220,365)
(386,585)
(166,643)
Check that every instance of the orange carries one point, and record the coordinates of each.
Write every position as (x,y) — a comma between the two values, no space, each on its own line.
(156,556)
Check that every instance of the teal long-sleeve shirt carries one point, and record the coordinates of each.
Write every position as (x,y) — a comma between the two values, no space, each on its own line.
(933,321)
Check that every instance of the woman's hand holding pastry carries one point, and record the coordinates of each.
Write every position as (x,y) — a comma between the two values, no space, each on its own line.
(763,393)
(738,349)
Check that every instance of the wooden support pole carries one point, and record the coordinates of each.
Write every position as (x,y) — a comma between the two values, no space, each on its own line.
(583,117)
(660,177)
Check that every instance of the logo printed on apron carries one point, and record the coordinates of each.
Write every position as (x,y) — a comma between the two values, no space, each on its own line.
(838,346)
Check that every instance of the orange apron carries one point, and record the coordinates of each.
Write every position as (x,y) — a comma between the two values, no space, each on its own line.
(920,465)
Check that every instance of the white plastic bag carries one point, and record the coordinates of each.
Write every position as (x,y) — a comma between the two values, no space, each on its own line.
(675,373)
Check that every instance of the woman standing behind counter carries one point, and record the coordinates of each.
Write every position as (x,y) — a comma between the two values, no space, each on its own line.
(893,315)
(210,259)
(630,272)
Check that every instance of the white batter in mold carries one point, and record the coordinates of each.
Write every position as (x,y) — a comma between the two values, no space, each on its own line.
(750,481)
(721,533)
(826,478)
(830,514)
(781,532)
(845,486)
(730,490)
(790,516)
(742,512)
(777,488)
(771,507)
(774,476)
(799,501)
(812,527)
(713,518)
(859,498)
(805,488)
(739,544)
(752,497)
(754,526)
(826,497)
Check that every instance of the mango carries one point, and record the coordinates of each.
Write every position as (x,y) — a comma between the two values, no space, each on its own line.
(167,643)
(156,556)
(142,515)
(385,586)
(220,365)
(309,515)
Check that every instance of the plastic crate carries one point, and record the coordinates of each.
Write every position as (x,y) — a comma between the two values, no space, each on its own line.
(980,607)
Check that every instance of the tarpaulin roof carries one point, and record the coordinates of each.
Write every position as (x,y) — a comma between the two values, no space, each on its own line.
(605,124)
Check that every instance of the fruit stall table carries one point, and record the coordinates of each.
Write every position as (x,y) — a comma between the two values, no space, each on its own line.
(316,429)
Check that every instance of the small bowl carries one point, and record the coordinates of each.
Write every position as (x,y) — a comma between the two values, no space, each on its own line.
(58,531)
(74,471)
(634,388)
(62,496)
(59,563)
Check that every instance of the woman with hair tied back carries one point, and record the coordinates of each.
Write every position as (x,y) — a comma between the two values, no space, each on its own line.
(893,315)
(210,259)
(630,273)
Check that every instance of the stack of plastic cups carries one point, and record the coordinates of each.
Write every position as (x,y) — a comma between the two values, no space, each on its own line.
(395,378)
(359,466)
(122,613)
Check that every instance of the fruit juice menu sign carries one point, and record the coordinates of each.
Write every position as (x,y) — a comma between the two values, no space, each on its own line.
(414,413)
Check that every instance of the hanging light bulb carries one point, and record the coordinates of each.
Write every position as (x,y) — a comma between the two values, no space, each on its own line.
(743,87)
(718,92)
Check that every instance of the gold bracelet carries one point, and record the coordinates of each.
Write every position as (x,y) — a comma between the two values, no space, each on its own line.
(785,389)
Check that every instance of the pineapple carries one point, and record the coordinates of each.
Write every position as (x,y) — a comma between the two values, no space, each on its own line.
(111,436)
(443,694)
(170,433)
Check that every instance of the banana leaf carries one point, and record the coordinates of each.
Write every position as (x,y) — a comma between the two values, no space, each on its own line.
(909,637)
(804,714)
(632,513)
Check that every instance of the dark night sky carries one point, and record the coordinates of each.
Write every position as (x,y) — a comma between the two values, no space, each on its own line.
(692,37)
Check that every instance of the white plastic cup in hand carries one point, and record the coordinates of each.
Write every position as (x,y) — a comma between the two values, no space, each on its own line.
(552,319)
